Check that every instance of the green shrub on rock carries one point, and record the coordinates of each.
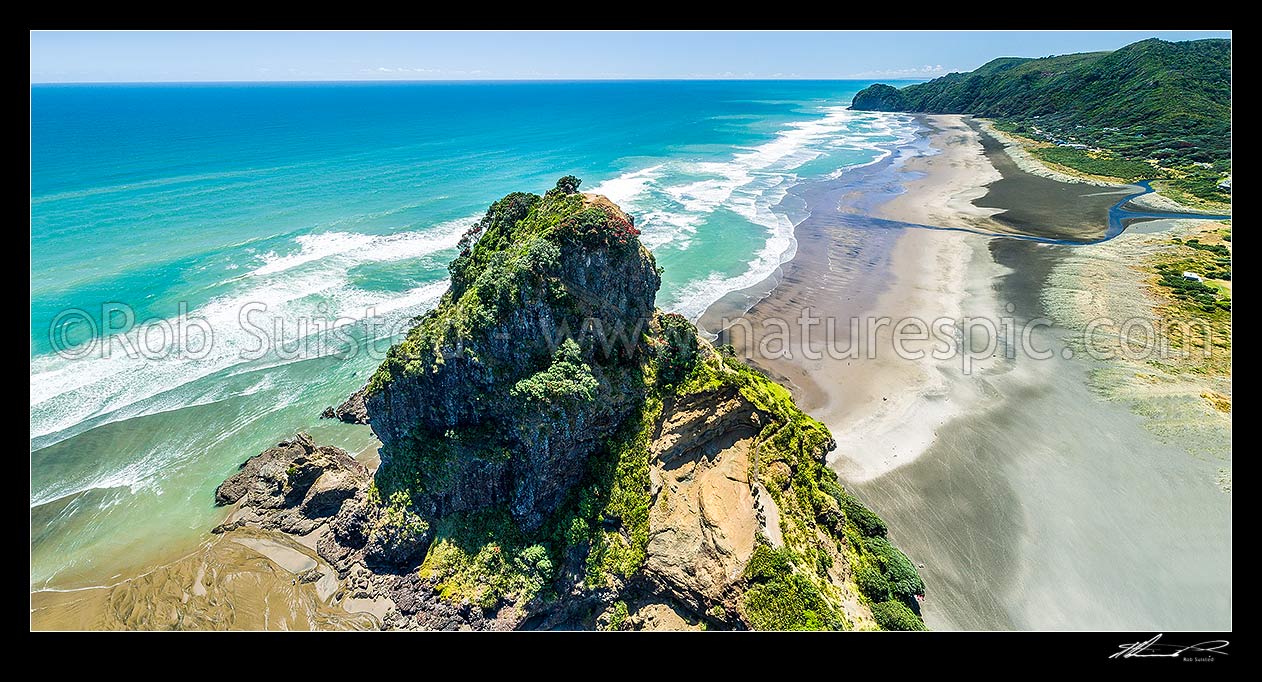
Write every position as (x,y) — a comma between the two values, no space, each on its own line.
(904,581)
(789,602)
(894,615)
(676,347)
(567,380)
(616,618)
(568,184)
(872,582)
(767,563)
(867,522)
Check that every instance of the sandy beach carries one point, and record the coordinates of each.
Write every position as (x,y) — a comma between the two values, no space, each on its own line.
(884,407)
(245,580)
(1015,521)
(897,403)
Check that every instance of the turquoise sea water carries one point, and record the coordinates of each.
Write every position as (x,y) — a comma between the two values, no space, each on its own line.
(299,206)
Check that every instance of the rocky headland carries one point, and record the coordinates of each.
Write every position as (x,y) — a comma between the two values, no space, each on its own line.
(557,453)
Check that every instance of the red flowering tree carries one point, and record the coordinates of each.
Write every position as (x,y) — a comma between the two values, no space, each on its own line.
(597,226)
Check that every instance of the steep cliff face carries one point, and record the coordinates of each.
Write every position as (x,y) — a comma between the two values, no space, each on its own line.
(499,394)
(557,453)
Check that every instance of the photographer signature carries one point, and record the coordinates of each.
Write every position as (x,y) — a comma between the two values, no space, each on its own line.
(1154,649)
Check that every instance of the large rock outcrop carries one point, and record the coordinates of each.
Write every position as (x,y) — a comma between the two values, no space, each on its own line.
(299,488)
(558,454)
(500,393)
(704,522)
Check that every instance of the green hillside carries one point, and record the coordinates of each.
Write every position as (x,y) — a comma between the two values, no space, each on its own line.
(1152,100)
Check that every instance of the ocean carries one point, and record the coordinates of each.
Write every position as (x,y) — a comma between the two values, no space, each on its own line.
(304,224)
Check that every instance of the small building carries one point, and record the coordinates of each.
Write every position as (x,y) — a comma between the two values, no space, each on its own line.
(1192,276)
(1225,184)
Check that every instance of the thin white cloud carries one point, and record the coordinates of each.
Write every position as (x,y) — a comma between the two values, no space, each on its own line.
(400,70)
(925,71)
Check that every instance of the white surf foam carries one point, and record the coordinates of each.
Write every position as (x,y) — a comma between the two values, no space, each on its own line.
(309,284)
(312,247)
(674,198)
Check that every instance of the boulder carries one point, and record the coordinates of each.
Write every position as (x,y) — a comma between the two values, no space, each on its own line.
(294,485)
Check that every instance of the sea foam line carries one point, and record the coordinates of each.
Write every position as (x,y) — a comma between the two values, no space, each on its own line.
(310,283)
(672,199)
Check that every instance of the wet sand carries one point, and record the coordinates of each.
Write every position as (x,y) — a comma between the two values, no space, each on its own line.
(1051,508)
(858,264)
(1031,501)
(242,580)
(1048,207)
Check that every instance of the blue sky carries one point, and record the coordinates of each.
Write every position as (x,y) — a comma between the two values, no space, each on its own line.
(489,55)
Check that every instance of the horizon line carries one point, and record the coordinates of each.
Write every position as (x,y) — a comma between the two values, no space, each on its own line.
(475,80)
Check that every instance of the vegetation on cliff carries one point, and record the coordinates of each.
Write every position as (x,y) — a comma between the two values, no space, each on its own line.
(498,396)
(555,449)
(828,535)
(1152,109)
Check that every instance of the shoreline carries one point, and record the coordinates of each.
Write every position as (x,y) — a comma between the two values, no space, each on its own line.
(1012,519)
(883,410)
(897,405)
(252,576)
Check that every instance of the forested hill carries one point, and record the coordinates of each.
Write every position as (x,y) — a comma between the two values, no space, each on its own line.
(1165,101)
